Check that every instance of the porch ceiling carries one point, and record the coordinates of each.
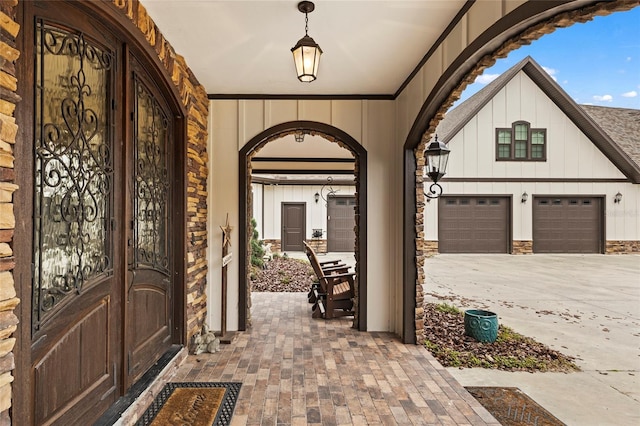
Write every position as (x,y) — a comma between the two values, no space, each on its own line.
(243,47)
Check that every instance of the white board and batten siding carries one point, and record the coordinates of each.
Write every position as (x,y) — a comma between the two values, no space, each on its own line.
(275,195)
(570,155)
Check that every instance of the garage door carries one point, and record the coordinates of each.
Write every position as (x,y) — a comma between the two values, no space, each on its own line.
(341,220)
(474,224)
(567,225)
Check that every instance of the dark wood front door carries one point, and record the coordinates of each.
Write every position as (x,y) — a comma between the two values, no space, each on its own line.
(105,199)
(76,342)
(293,226)
(149,265)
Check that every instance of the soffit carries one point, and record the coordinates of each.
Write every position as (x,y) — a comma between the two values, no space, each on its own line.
(243,47)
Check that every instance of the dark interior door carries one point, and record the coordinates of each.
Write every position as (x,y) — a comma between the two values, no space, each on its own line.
(293,226)
(149,288)
(76,342)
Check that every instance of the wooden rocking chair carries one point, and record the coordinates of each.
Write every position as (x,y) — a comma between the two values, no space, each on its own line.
(332,296)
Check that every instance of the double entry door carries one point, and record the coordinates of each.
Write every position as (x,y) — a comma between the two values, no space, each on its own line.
(103,183)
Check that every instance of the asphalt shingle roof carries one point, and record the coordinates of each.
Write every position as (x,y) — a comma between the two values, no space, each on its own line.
(621,124)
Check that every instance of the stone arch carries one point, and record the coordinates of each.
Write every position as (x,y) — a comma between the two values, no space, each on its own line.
(332,134)
(523,25)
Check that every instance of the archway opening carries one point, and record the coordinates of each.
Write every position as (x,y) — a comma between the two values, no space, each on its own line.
(481,54)
(348,160)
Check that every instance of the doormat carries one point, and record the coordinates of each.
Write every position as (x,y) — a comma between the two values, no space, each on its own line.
(512,407)
(192,403)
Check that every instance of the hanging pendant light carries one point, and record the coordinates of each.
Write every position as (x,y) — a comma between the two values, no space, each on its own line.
(306,53)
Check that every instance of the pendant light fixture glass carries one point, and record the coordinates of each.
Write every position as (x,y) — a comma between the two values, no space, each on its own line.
(306,53)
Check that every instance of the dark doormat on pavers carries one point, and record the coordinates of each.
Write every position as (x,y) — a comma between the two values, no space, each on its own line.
(512,407)
(192,403)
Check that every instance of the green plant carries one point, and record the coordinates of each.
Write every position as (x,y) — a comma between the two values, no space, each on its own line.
(448,309)
(257,249)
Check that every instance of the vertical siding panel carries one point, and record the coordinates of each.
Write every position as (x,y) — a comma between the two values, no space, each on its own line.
(557,150)
(402,118)
(454,43)
(347,115)
(480,16)
(258,205)
(414,98)
(280,111)
(485,141)
(251,120)
(499,109)
(315,110)
(456,159)
(513,96)
(471,148)
(431,72)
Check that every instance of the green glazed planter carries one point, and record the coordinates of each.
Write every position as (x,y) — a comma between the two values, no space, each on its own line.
(481,325)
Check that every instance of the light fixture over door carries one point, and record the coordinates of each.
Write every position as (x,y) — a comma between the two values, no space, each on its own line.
(306,53)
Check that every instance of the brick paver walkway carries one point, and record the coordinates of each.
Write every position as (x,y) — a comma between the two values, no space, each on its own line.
(296,370)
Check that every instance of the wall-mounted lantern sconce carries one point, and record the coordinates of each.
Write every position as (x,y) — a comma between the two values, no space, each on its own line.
(437,155)
(306,53)
(299,136)
(524,197)
(327,191)
(617,198)
(316,197)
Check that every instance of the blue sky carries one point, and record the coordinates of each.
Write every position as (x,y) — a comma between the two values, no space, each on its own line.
(596,63)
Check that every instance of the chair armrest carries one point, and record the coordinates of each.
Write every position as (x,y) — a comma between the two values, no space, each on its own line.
(335,268)
(333,277)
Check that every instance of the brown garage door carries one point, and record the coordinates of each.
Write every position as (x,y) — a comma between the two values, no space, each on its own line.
(567,225)
(474,224)
(341,220)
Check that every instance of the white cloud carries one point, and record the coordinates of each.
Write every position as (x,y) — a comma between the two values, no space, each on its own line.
(603,98)
(628,58)
(486,78)
(552,72)
(631,94)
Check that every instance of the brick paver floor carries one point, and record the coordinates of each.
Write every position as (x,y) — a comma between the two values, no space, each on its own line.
(296,370)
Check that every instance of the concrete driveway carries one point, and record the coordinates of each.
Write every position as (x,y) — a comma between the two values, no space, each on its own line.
(586,306)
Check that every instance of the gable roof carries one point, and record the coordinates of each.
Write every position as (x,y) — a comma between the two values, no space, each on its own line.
(615,131)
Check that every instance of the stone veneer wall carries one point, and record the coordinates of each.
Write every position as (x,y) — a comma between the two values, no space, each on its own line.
(194,98)
(430,247)
(622,247)
(275,245)
(561,20)
(320,246)
(522,247)
(8,130)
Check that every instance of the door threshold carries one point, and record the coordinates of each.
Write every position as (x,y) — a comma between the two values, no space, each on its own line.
(131,405)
